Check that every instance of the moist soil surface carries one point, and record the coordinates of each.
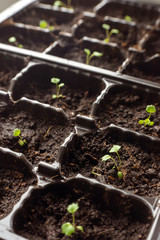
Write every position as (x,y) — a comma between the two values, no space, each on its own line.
(35,41)
(75,51)
(127,36)
(33,16)
(78,5)
(141,16)
(140,167)
(99,220)
(140,70)
(43,136)
(73,102)
(9,68)
(12,185)
(125,109)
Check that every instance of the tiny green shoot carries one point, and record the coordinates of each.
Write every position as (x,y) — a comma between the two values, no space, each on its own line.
(69,228)
(15,42)
(149,109)
(58,87)
(109,31)
(62,4)
(128,18)
(105,158)
(17,133)
(89,56)
(44,24)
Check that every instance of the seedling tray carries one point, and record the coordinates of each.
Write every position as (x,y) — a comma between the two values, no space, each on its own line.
(66,138)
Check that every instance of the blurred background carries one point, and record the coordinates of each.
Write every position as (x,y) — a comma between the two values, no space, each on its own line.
(6,3)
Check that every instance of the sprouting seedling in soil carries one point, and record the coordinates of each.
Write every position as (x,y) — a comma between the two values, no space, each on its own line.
(44,24)
(58,87)
(128,18)
(69,228)
(90,55)
(149,109)
(17,133)
(15,42)
(115,149)
(62,4)
(109,31)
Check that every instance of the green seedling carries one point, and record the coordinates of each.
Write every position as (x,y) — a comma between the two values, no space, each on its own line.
(109,31)
(62,4)
(149,109)
(43,24)
(69,228)
(58,87)
(17,133)
(15,42)
(89,56)
(105,158)
(128,18)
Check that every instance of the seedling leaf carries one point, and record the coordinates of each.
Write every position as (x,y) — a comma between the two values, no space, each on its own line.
(80,228)
(68,229)
(87,51)
(106,26)
(43,24)
(16,132)
(97,54)
(57,3)
(150,109)
(115,148)
(105,158)
(54,96)
(12,40)
(114,31)
(55,80)
(128,18)
(141,122)
(61,85)
(72,208)
(120,175)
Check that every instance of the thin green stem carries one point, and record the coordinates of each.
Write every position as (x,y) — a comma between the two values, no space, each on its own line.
(87,59)
(119,168)
(73,217)
(149,116)
(115,163)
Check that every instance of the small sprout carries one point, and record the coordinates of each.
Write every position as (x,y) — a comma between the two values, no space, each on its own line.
(128,18)
(69,228)
(115,149)
(62,4)
(89,56)
(58,87)
(109,32)
(43,24)
(149,109)
(14,40)
(17,133)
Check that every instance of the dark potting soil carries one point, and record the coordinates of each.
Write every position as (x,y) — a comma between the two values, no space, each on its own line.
(43,136)
(76,52)
(127,36)
(142,71)
(78,5)
(73,102)
(126,108)
(33,41)
(12,185)
(141,15)
(43,219)
(140,167)
(33,16)
(8,70)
